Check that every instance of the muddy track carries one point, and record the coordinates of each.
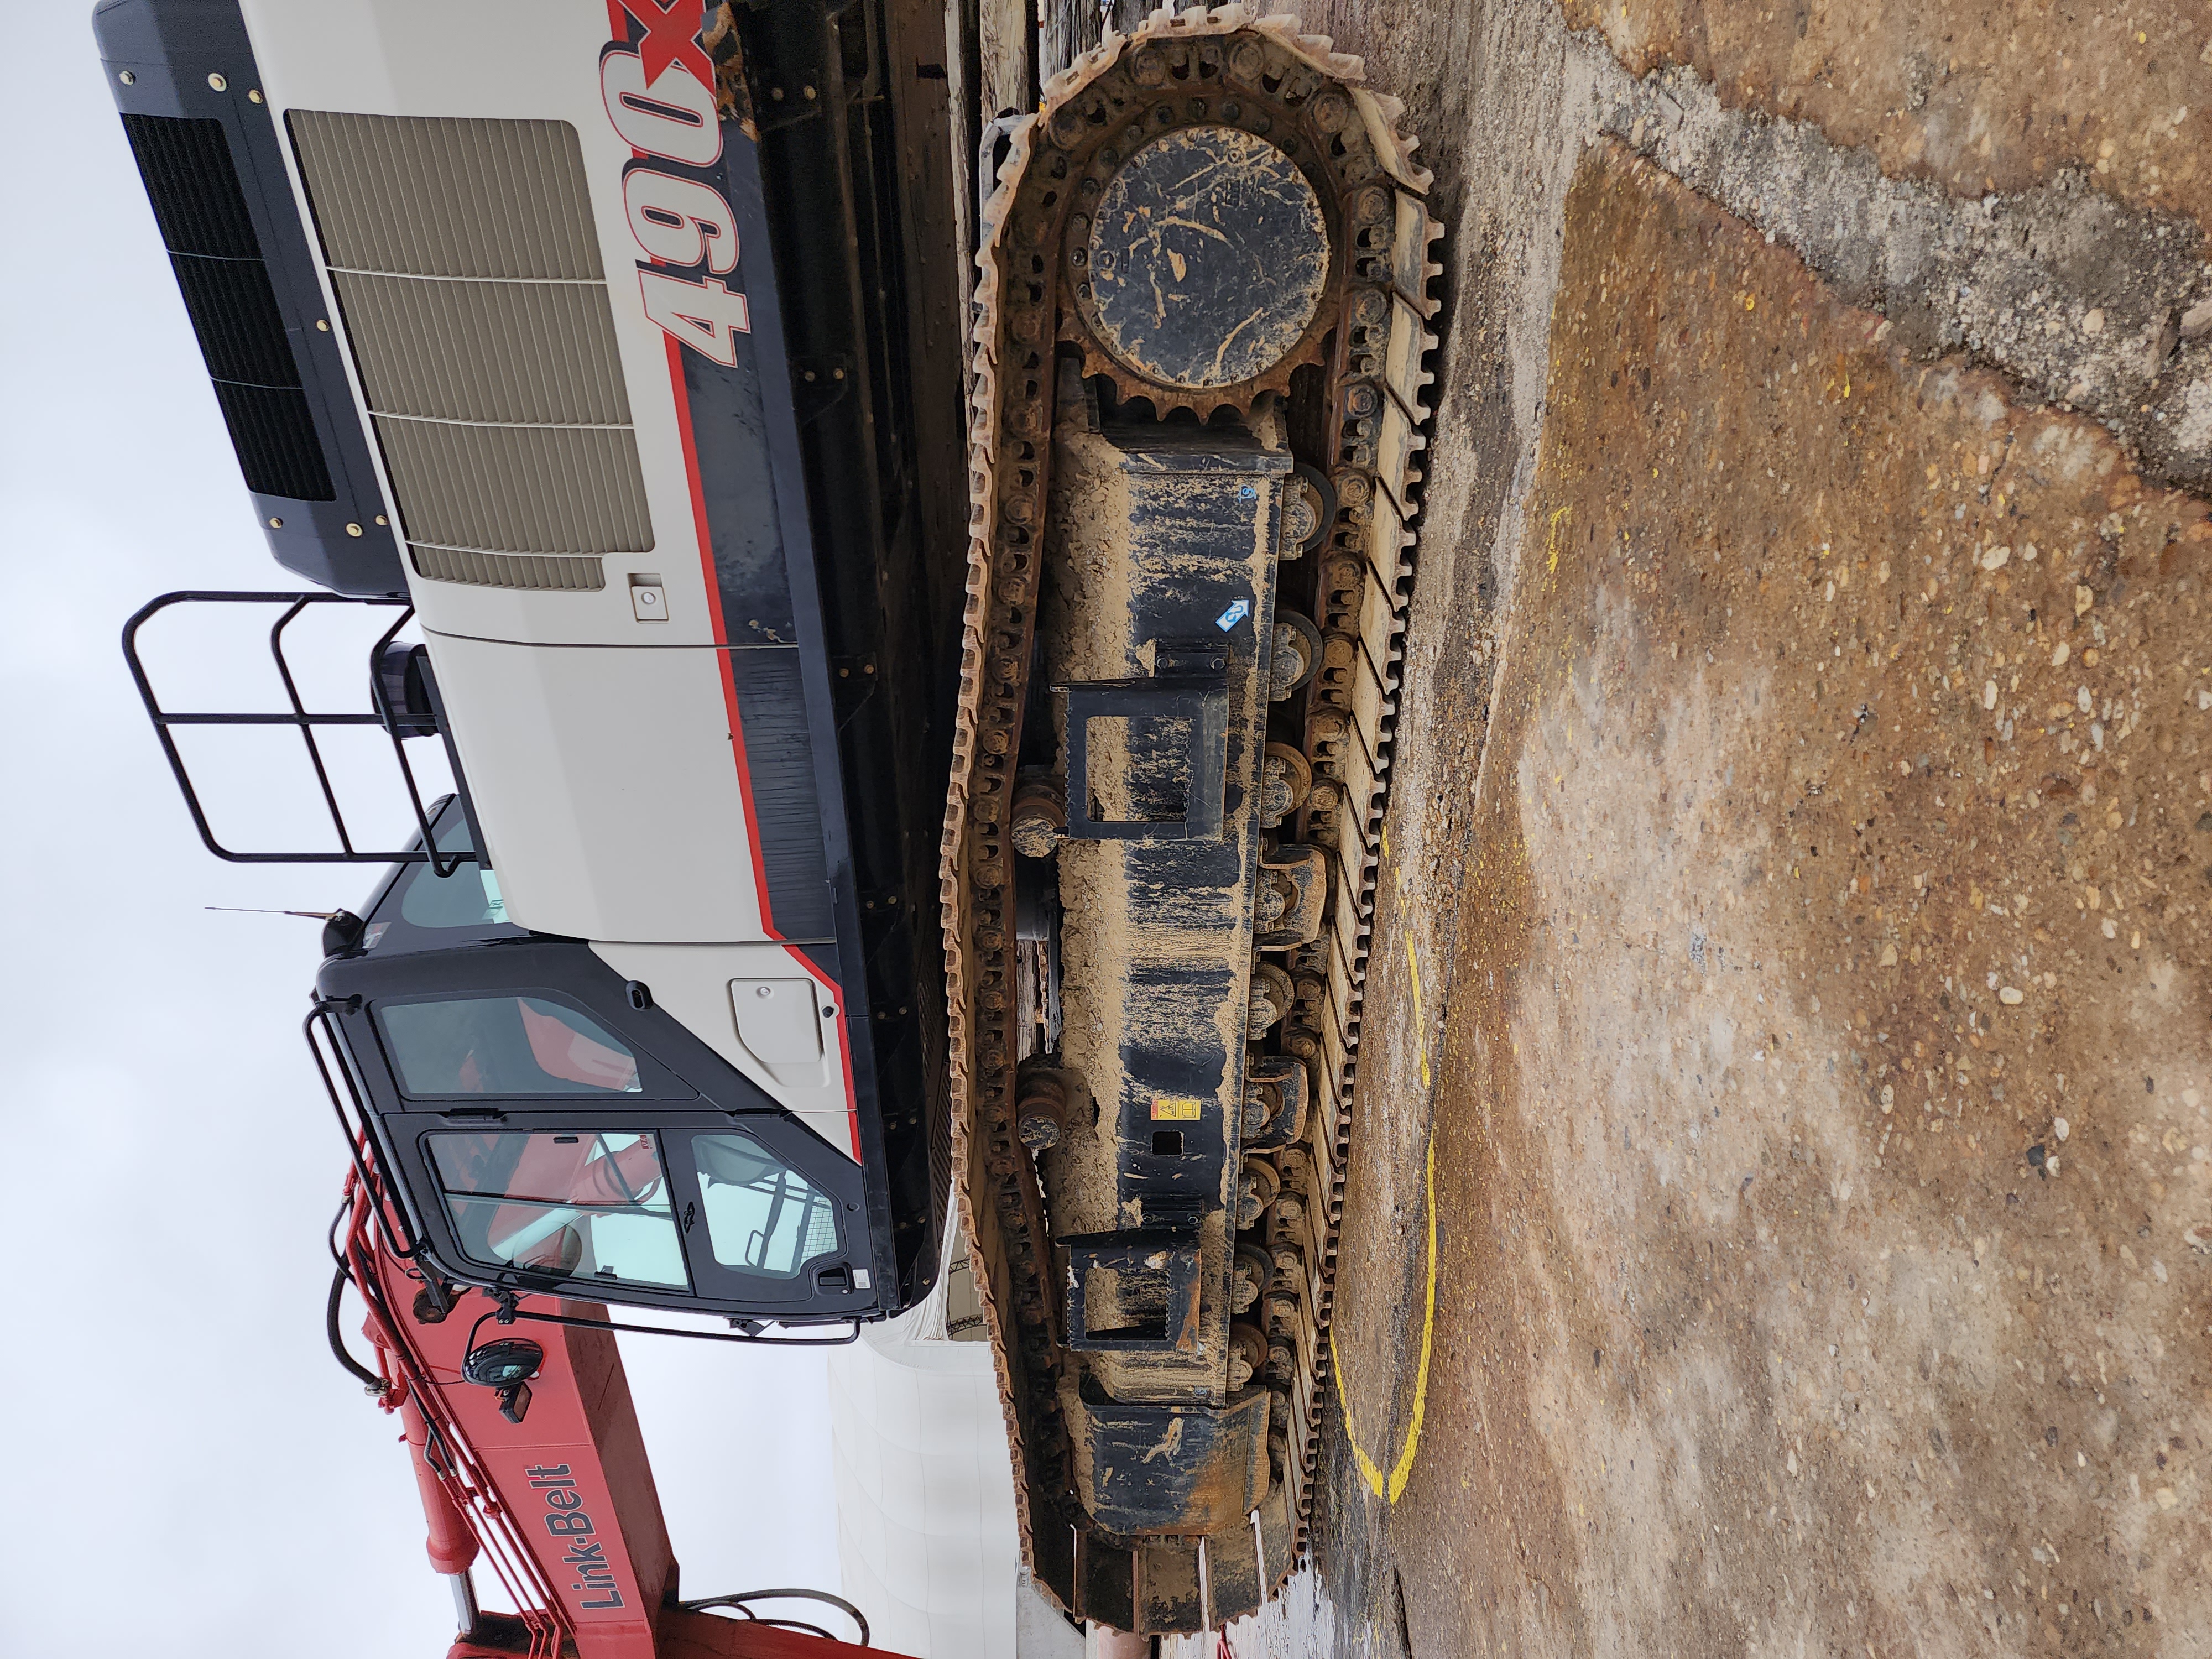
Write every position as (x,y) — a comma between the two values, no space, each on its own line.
(1366,344)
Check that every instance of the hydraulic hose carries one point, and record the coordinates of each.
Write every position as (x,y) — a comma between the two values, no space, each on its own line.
(368,1378)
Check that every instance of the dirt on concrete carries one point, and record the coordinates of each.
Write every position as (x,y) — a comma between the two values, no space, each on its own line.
(1816,889)
(2083,302)
(1974,95)
(1791,955)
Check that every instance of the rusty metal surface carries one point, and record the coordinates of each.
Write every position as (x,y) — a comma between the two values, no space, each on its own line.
(1368,333)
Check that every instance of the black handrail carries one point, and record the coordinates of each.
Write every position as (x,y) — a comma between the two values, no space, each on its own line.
(299,719)
(320,1027)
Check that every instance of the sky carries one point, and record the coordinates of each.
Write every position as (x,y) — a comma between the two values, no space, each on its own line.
(191,1473)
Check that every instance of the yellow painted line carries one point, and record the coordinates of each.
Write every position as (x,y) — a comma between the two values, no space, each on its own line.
(1420,1021)
(1391,1487)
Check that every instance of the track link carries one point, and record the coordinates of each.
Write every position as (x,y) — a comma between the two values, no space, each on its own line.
(1370,337)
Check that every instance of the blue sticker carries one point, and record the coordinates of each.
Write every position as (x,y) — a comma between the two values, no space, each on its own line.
(1236,613)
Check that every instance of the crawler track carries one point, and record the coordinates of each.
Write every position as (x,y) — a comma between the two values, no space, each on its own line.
(1356,416)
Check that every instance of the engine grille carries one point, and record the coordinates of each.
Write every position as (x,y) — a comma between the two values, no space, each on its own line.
(468,272)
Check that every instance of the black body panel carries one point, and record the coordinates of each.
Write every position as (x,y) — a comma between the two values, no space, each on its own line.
(214,169)
(839,374)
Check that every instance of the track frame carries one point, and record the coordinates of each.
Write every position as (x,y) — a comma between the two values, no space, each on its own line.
(1370,338)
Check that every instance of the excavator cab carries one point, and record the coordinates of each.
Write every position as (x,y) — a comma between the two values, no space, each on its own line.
(550,1131)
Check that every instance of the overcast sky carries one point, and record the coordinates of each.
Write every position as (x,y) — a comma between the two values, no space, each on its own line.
(191,1474)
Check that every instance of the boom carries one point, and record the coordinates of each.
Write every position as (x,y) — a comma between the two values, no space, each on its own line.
(536,1475)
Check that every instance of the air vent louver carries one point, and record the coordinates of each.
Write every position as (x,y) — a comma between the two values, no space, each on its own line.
(544,572)
(449,196)
(200,207)
(468,271)
(522,353)
(197,201)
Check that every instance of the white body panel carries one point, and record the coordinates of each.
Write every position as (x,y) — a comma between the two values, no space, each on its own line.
(465,57)
(696,983)
(574,758)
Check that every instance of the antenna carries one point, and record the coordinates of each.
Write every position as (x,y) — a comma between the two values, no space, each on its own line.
(342,929)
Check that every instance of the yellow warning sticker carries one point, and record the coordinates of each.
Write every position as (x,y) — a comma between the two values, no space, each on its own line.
(1176,1108)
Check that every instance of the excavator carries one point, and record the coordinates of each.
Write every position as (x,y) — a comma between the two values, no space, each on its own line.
(876,834)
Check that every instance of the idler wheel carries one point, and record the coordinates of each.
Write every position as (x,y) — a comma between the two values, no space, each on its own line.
(1248,1353)
(1206,258)
(1257,1183)
(1040,817)
(1299,650)
(1041,1109)
(1253,1274)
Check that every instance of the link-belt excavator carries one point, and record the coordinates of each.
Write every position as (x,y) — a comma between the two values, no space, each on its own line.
(876,829)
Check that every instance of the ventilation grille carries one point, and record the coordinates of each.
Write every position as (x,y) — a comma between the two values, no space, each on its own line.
(467,268)
(542,572)
(197,201)
(517,489)
(449,196)
(536,353)
(200,208)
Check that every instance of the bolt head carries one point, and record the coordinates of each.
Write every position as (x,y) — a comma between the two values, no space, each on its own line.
(218,84)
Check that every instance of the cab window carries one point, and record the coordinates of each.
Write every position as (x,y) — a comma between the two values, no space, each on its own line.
(580,1205)
(503,1045)
(762,1215)
(467,897)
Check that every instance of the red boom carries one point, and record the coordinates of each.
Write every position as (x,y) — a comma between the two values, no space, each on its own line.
(561,1504)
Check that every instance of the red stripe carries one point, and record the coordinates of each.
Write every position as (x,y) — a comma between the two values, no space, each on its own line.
(683,399)
(618,28)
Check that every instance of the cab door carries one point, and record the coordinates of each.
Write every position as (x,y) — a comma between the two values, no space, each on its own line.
(632,1208)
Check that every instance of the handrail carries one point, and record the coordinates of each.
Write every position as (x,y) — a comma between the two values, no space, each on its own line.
(320,1028)
(299,718)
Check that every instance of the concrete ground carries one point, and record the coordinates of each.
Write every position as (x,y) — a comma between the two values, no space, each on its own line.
(1781,1215)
